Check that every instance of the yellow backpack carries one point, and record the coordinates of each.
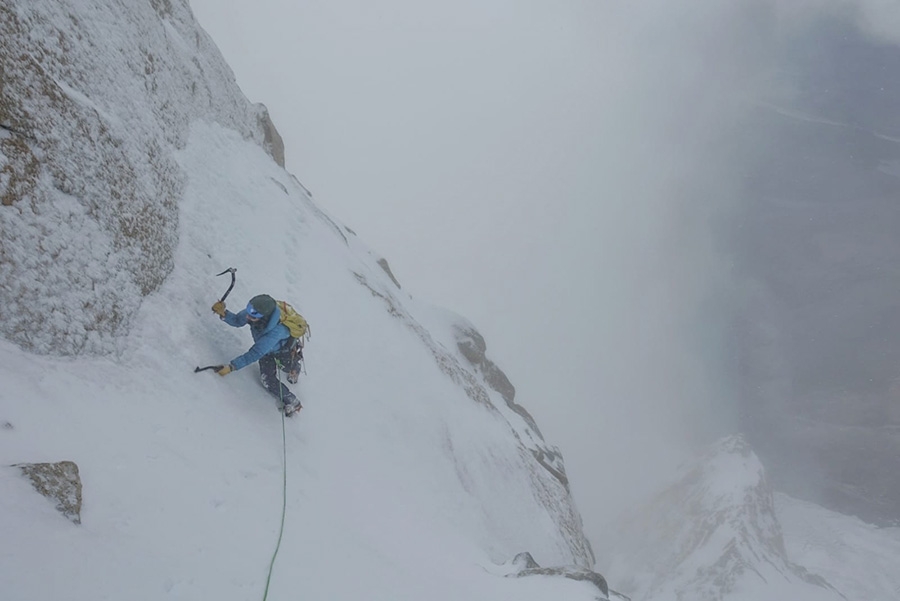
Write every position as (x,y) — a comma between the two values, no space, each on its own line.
(293,320)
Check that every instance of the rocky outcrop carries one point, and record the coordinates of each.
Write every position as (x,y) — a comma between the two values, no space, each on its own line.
(272,141)
(59,482)
(473,347)
(387,269)
(525,565)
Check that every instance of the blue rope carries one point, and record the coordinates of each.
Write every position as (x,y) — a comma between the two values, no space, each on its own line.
(283,488)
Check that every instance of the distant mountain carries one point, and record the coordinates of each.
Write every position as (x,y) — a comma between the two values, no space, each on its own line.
(713,535)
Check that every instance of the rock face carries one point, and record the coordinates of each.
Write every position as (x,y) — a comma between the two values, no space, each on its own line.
(711,533)
(816,336)
(86,213)
(59,482)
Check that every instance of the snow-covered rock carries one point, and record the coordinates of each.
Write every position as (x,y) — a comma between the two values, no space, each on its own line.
(59,482)
(95,98)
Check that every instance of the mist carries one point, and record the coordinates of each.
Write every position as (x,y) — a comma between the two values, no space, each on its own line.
(562,174)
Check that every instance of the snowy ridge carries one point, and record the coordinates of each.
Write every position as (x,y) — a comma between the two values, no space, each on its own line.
(440,340)
(362,279)
(450,332)
(712,535)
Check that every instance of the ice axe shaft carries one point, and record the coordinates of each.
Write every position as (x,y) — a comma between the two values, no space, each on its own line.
(232,271)
(215,367)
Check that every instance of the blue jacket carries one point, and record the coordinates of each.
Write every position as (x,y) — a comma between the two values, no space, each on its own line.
(268,338)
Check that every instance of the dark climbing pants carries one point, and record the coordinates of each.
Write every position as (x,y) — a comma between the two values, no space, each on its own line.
(268,373)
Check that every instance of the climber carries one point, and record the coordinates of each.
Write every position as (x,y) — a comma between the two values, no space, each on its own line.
(273,346)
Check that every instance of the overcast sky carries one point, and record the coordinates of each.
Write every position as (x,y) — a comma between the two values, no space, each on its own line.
(550,171)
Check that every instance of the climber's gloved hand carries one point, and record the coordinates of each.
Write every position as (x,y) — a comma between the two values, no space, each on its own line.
(219,309)
(226,369)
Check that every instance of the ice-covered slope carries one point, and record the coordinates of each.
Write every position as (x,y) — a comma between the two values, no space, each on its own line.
(410,475)
(712,536)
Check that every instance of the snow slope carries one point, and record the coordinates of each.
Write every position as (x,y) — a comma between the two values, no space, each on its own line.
(859,559)
(132,170)
(401,485)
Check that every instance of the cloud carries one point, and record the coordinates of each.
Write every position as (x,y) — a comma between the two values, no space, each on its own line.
(880,19)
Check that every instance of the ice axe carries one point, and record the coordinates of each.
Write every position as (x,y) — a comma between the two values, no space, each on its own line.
(232,271)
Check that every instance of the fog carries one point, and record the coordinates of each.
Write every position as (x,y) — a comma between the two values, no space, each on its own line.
(554,171)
